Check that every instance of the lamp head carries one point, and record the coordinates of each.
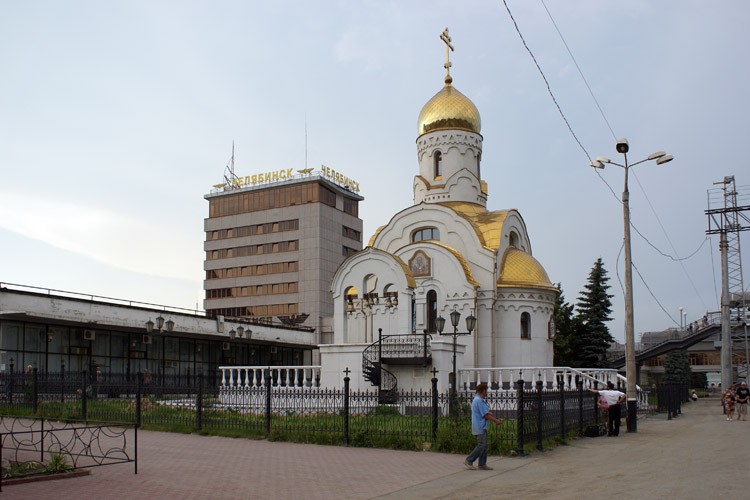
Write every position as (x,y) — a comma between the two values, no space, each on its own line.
(622,146)
(170,325)
(664,159)
(471,322)
(440,323)
(455,316)
(597,164)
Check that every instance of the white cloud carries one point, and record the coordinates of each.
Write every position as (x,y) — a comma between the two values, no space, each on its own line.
(110,238)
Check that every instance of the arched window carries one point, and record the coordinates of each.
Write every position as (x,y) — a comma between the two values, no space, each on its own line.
(513,239)
(431,311)
(525,325)
(438,164)
(425,233)
(551,328)
(479,167)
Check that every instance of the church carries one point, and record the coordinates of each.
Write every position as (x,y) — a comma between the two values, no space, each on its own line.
(444,257)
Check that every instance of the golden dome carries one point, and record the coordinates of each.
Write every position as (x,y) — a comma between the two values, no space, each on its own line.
(519,269)
(449,109)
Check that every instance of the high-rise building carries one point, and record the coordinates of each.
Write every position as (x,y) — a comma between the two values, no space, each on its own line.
(273,242)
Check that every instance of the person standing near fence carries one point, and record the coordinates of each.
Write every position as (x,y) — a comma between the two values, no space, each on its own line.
(613,398)
(743,396)
(480,416)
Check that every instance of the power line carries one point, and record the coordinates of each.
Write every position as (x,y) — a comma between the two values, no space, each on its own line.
(604,117)
(601,111)
(652,294)
(664,230)
(549,89)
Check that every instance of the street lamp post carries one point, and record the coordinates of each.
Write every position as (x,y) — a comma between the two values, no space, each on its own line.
(681,327)
(630,367)
(471,322)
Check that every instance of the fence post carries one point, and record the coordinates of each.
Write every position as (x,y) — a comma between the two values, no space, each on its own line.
(561,385)
(519,417)
(539,414)
(84,412)
(62,381)
(268,403)
(346,406)
(138,395)
(199,404)
(12,380)
(35,389)
(579,385)
(434,381)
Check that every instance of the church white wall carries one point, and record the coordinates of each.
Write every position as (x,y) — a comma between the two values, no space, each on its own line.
(362,324)
(512,350)
(336,358)
(459,151)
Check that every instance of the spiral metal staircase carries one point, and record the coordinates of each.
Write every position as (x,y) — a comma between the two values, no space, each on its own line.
(405,350)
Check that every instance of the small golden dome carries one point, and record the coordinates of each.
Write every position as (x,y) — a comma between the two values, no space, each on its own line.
(519,269)
(449,109)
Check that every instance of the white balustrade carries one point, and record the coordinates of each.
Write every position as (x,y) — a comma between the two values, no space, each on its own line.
(252,377)
(505,378)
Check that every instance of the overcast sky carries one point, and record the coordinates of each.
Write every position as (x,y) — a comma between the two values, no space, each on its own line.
(116,118)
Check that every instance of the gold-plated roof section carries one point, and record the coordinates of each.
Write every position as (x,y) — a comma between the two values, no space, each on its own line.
(449,109)
(488,225)
(371,243)
(519,269)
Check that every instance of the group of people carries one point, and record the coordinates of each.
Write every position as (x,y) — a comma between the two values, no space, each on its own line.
(736,399)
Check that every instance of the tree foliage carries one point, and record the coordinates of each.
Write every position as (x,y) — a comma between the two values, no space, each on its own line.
(677,368)
(564,331)
(592,337)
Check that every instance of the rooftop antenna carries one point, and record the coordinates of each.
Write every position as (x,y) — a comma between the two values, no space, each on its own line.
(230,179)
(305,141)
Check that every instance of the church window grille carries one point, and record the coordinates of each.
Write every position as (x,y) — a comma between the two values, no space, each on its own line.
(425,233)
(431,311)
(525,325)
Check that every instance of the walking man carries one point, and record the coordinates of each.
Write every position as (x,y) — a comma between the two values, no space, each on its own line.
(614,399)
(742,395)
(480,415)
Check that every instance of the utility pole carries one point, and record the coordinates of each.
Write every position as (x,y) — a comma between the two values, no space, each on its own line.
(728,219)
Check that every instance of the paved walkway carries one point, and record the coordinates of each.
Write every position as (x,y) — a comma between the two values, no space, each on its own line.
(698,455)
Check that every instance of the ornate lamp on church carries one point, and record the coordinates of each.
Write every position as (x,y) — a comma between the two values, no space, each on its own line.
(471,322)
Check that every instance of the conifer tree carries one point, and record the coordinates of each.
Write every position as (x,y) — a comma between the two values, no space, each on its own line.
(592,338)
(677,368)
(564,331)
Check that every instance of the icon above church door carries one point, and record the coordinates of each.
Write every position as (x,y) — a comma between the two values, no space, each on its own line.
(420,264)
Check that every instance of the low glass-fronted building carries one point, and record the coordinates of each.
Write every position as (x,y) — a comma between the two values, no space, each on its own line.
(54,331)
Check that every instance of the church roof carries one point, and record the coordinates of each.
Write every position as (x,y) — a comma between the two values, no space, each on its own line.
(520,269)
(488,225)
(449,109)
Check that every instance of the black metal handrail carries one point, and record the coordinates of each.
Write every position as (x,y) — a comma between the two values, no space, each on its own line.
(373,371)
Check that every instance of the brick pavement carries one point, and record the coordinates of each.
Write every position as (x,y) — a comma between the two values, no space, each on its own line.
(694,456)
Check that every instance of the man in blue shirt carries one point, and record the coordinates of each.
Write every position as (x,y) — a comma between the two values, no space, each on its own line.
(480,415)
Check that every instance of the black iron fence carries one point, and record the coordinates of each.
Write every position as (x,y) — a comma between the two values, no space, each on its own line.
(669,398)
(534,415)
(32,445)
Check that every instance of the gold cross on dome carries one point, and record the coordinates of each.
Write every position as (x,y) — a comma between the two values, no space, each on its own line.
(448,47)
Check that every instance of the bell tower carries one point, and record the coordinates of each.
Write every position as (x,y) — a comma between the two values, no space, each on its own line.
(449,145)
